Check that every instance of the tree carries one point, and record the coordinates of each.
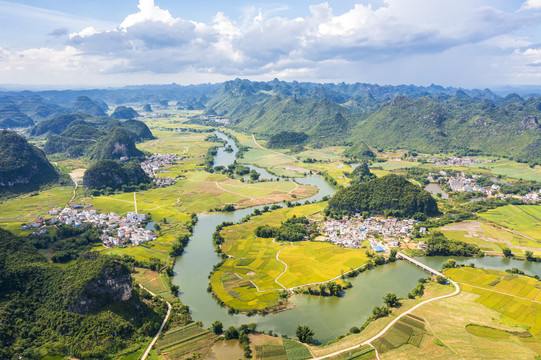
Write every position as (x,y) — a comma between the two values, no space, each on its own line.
(304,333)
(451,263)
(174,289)
(528,254)
(217,327)
(378,312)
(231,333)
(507,252)
(391,300)
(392,256)
(441,279)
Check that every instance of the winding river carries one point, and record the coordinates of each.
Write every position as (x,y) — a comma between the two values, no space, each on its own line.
(327,316)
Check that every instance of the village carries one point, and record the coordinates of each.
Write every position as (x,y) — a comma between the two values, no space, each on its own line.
(381,233)
(463,183)
(456,161)
(152,167)
(116,230)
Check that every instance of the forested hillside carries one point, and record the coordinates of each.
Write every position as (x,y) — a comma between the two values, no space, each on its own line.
(87,309)
(428,119)
(23,167)
(388,195)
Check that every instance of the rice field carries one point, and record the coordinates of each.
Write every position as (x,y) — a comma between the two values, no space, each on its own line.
(525,219)
(185,341)
(295,350)
(517,298)
(407,330)
(490,238)
(271,351)
(247,279)
(512,169)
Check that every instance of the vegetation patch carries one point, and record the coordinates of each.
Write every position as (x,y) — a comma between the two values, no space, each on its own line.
(295,350)
(407,330)
(270,352)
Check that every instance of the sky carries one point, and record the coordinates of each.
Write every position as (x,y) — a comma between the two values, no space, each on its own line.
(98,43)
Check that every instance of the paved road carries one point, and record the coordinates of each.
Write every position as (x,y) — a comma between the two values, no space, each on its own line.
(161,327)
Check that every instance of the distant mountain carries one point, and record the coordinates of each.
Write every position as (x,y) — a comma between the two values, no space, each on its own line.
(124,112)
(110,174)
(454,125)
(428,119)
(86,105)
(12,117)
(23,167)
(58,124)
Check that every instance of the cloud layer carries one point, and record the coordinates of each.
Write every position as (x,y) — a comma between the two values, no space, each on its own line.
(396,33)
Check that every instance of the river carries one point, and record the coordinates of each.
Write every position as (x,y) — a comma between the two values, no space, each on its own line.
(327,316)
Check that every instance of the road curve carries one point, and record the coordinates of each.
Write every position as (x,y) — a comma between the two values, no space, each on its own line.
(382,332)
(161,327)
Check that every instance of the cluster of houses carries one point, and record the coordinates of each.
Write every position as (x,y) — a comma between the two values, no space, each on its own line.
(456,161)
(463,183)
(152,167)
(116,230)
(381,232)
(215,118)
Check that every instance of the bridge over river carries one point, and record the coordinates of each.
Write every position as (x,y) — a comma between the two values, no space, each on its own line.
(419,264)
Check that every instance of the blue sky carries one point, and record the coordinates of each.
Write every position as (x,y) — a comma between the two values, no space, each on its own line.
(468,43)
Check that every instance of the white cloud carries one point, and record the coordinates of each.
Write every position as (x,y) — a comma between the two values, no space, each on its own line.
(531,5)
(323,44)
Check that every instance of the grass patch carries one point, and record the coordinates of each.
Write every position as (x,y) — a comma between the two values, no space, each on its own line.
(525,219)
(406,331)
(185,341)
(295,350)
(270,352)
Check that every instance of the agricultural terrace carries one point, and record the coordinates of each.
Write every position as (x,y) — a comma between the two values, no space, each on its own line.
(192,146)
(184,341)
(525,219)
(26,208)
(157,283)
(490,238)
(511,168)
(508,307)
(257,268)
(201,191)
(198,192)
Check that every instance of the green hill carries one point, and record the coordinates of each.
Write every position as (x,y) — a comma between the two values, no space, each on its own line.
(388,195)
(109,173)
(116,144)
(427,119)
(86,105)
(11,117)
(86,309)
(124,112)
(23,167)
(454,125)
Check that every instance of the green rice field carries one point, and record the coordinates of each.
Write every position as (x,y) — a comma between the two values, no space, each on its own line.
(525,219)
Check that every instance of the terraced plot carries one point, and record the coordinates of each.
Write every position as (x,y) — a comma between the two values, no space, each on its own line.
(517,298)
(185,341)
(490,238)
(525,219)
